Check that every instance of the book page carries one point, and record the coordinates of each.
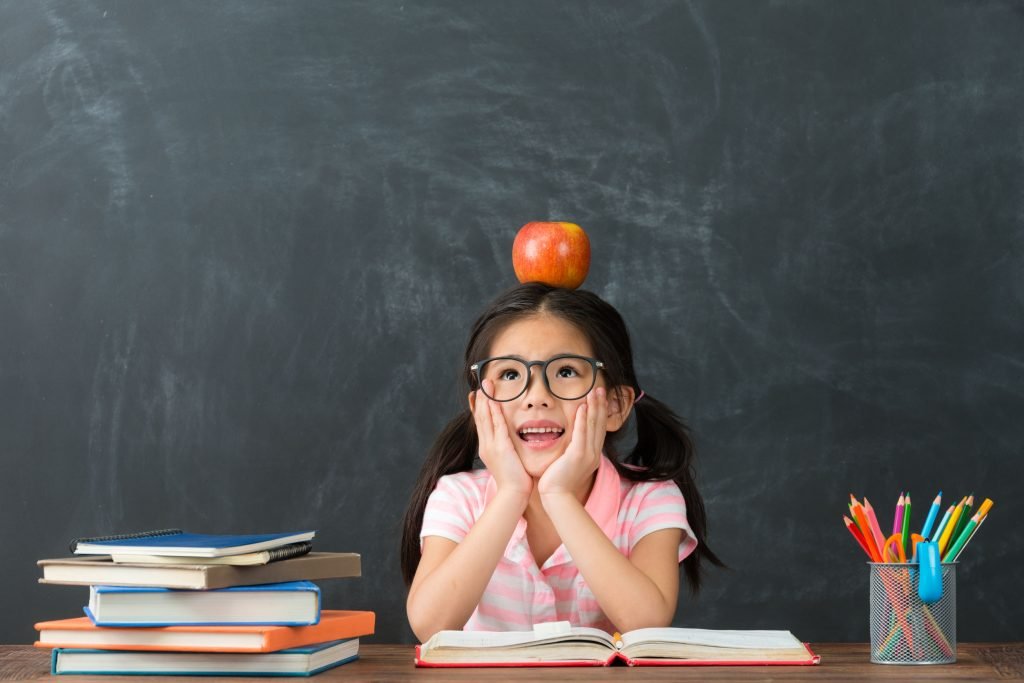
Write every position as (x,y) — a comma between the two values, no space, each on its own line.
(487,639)
(759,640)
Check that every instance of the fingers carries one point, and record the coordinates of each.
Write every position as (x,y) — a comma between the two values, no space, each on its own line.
(482,419)
(589,427)
(580,432)
(492,431)
(498,427)
(600,420)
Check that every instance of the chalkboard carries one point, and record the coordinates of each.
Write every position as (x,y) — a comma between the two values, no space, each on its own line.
(241,245)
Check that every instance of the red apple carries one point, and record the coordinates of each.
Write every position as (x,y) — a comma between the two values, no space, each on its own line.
(555,253)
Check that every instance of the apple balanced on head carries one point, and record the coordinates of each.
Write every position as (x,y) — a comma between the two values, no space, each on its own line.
(552,252)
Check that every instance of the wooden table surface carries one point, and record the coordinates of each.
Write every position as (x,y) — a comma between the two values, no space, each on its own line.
(839,662)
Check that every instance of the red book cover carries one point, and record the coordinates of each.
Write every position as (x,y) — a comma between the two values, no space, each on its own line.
(618,656)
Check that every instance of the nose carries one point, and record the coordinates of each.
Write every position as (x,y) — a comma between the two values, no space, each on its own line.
(536,393)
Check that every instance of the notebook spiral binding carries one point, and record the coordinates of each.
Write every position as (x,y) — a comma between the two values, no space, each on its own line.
(290,550)
(118,537)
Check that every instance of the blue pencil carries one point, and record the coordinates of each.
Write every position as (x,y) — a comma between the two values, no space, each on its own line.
(942,524)
(933,512)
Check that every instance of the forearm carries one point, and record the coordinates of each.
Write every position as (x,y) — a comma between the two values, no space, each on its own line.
(446,597)
(627,596)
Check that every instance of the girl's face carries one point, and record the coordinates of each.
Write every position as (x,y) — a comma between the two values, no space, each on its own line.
(539,338)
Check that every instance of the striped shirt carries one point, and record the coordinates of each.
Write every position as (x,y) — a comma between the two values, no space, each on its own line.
(521,594)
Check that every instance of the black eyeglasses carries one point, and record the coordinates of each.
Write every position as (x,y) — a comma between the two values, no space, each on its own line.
(567,376)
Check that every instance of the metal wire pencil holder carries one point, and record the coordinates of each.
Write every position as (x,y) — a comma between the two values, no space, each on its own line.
(905,630)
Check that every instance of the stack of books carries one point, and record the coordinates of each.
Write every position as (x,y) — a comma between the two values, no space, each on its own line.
(174,603)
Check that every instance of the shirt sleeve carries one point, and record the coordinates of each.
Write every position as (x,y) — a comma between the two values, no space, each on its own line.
(447,513)
(661,506)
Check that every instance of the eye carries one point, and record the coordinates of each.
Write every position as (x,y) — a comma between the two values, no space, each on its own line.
(509,375)
(567,372)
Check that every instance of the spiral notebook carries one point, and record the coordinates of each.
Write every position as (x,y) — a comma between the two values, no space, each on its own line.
(175,542)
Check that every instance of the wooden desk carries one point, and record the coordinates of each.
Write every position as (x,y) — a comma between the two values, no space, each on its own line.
(839,662)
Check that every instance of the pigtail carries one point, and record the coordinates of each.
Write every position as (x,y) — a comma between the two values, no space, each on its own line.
(664,450)
(453,451)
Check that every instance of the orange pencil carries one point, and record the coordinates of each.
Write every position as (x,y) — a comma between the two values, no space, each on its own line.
(862,522)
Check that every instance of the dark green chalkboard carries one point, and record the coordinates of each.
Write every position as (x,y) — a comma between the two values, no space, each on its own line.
(241,244)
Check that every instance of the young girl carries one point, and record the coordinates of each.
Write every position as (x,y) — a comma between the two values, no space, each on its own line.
(559,526)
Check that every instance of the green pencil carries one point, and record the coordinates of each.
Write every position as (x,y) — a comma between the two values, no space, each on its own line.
(962,539)
(907,545)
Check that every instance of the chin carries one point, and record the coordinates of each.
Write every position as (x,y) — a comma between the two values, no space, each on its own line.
(536,464)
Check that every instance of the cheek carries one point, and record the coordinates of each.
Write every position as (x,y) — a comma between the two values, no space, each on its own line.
(506,414)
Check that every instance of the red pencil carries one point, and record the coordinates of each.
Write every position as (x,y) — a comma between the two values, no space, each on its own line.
(856,534)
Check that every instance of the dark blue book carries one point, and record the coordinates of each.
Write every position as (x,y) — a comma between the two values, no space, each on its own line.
(299,661)
(296,603)
(179,543)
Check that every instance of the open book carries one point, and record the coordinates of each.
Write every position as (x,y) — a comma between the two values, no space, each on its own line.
(559,644)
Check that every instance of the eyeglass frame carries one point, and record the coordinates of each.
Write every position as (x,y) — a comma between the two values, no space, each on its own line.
(594,363)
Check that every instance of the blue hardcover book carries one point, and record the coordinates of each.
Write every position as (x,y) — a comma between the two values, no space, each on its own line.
(299,661)
(296,603)
(179,543)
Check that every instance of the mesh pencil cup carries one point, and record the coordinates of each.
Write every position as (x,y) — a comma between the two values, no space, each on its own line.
(905,629)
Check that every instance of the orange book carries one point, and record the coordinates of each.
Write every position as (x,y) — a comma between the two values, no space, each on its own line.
(82,633)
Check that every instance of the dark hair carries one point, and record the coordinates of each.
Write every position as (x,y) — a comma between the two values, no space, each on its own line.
(663,447)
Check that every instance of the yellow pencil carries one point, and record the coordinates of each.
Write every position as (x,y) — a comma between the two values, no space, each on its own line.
(985,507)
(948,531)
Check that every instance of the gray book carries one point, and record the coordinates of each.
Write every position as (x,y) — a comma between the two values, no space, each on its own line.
(101,570)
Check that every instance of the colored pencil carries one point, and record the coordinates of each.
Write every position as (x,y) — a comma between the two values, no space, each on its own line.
(948,531)
(856,534)
(936,632)
(876,530)
(942,524)
(985,507)
(973,534)
(906,527)
(965,516)
(862,522)
(933,512)
(897,519)
(961,540)
(853,503)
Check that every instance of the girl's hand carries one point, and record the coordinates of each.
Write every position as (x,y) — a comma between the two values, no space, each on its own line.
(496,447)
(571,472)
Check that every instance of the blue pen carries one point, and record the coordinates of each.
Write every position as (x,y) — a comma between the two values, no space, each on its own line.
(933,512)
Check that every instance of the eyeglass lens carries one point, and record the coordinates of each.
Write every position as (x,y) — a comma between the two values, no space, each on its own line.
(568,378)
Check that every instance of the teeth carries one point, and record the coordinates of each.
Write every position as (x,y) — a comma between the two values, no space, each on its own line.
(540,430)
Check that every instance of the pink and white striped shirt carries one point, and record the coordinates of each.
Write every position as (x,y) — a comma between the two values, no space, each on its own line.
(521,594)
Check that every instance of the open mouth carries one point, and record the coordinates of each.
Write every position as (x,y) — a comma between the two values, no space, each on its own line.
(540,436)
